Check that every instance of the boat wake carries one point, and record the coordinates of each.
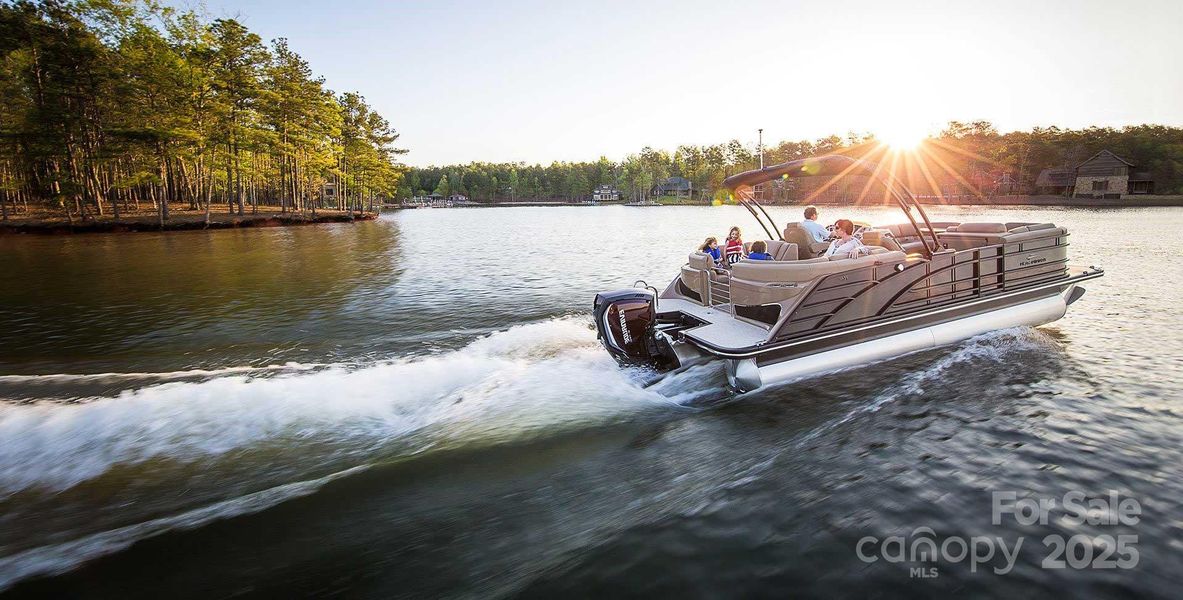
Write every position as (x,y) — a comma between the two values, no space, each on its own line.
(523,380)
(235,441)
(59,378)
(59,558)
(991,347)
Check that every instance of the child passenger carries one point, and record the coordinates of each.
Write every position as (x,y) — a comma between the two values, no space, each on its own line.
(733,251)
(759,251)
(711,246)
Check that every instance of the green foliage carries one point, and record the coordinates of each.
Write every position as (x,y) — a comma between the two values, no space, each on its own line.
(976,152)
(122,101)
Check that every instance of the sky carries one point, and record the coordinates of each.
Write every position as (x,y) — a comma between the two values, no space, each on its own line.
(545,81)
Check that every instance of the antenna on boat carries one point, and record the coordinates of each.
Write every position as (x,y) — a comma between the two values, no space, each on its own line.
(760,146)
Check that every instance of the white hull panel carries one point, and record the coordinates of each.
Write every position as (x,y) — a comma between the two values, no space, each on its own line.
(745,375)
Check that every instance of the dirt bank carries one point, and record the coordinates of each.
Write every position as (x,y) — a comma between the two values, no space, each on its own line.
(177,222)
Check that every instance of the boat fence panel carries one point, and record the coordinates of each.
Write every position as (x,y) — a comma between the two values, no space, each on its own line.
(719,293)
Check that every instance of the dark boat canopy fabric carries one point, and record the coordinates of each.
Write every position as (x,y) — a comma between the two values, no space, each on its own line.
(832,165)
(829,165)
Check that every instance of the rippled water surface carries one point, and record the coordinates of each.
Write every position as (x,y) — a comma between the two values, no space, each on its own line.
(418,407)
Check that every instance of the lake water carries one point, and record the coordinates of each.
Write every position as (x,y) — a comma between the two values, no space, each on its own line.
(418,407)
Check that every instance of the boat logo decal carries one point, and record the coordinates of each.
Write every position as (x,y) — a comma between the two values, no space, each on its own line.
(628,339)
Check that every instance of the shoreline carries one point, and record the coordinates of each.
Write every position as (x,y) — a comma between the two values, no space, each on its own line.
(181,222)
(1061,201)
(1135,201)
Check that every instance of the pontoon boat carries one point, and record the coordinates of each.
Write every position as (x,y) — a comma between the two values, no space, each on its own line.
(925,284)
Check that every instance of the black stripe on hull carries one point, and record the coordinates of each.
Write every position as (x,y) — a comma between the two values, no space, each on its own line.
(890,324)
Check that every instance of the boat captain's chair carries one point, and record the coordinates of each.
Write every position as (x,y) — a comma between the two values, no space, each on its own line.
(806,247)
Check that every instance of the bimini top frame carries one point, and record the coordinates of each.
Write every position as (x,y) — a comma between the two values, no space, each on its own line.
(831,165)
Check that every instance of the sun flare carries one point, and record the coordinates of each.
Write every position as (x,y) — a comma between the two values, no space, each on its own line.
(901,140)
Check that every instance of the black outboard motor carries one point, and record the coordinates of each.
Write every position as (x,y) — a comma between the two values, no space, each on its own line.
(626,324)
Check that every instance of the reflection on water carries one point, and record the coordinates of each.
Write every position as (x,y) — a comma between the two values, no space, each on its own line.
(418,407)
(154,302)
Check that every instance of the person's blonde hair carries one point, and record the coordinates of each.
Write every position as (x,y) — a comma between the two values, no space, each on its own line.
(707,244)
(735,229)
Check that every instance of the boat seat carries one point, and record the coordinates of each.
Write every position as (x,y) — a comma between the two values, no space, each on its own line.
(796,235)
(960,239)
(782,250)
(977,228)
(880,237)
(804,270)
(874,250)
(764,282)
(900,231)
(806,247)
(904,232)
(696,274)
(701,261)
(1031,227)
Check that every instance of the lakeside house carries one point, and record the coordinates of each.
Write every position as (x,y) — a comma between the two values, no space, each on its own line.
(1007,185)
(1107,175)
(606,193)
(677,187)
(1057,181)
(1104,175)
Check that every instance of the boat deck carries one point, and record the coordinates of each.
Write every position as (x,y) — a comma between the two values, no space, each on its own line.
(721,330)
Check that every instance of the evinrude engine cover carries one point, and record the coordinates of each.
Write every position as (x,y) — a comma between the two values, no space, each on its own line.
(625,322)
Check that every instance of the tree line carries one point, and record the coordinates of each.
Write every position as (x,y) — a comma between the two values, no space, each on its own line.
(963,158)
(111,105)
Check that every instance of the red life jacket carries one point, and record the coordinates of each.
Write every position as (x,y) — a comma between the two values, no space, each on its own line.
(733,250)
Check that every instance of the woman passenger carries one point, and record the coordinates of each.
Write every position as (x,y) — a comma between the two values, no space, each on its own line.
(845,244)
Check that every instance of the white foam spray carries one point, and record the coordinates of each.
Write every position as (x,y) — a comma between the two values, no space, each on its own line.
(530,380)
(526,380)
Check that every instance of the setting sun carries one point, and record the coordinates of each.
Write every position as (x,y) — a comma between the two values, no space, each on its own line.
(901,139)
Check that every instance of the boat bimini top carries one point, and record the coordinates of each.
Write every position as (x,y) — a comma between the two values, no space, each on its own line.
(835,166)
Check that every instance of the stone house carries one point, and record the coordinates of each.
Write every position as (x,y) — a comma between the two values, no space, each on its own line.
(1107,175)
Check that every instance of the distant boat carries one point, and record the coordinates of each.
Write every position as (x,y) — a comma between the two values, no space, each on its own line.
(642,203)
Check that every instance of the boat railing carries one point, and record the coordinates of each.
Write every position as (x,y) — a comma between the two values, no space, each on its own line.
(719,291)
(973,274)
